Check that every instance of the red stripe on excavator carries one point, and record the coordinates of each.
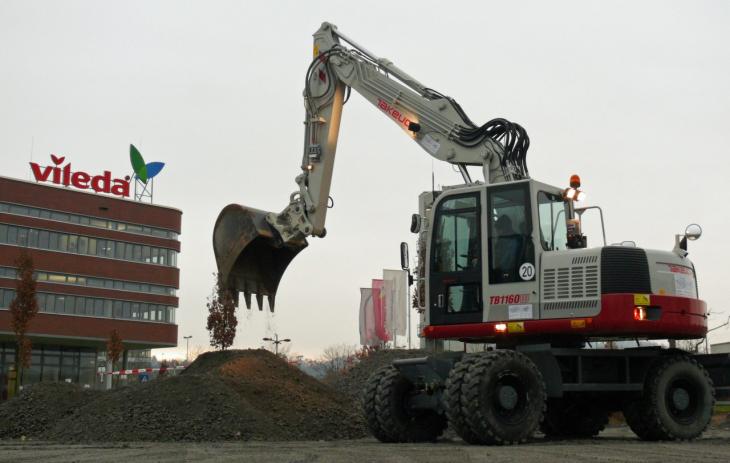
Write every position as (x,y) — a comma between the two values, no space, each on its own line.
(680,317)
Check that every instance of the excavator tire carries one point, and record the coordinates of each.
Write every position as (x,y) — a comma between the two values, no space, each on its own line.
(573,418)
(503,397)
(454,410)
(369,407)
(677,402)
(396,421)
(637,419)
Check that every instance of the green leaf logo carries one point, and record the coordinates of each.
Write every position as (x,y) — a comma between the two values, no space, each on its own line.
(142,170)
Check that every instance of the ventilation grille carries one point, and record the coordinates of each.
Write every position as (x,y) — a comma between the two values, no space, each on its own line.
(565,305)
(624,270)
(580,282)
(585,260)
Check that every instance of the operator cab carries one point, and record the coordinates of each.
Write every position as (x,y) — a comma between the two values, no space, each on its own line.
(485,249)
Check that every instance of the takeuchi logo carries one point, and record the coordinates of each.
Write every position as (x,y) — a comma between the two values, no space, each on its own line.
(143,171)
(64,175)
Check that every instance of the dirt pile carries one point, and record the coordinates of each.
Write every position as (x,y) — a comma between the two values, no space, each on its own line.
(40,406)
(234,395)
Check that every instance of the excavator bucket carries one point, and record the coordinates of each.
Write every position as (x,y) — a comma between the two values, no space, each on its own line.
(250,254)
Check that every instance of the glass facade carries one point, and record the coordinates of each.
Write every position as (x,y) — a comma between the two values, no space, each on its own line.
(86,220)
(96,307)
(80,280)
(52,364)
(139,359)
(86,245)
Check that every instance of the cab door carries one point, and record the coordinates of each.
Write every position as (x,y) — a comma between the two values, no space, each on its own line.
(455,280)
(512,289)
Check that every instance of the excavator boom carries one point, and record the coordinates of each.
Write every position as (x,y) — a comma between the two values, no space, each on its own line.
(253,248)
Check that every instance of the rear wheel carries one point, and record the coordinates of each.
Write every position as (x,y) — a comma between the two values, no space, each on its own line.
(677,401)
(573,417)
(503,397)
(397,421)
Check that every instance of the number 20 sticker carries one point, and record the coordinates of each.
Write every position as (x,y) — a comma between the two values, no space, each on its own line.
(527,271)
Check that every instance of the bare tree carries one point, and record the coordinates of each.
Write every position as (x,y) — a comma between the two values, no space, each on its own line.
(339,357)
(285,350)
(23,308)
(222,320)
(689,345)
(196,352)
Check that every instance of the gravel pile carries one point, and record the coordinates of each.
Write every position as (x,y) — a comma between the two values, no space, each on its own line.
(40,407)
(234,395)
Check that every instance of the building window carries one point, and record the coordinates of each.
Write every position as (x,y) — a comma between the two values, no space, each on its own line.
(51,364)
(86,220)
(95,307)
(75,244)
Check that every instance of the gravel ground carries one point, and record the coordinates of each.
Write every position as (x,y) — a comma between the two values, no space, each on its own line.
(614,445)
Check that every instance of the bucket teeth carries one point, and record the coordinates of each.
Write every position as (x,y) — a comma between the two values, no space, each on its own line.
(271,302)
(260,301)
(250,253)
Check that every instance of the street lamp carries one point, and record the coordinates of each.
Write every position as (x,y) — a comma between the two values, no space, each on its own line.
(187,347)
(276,342)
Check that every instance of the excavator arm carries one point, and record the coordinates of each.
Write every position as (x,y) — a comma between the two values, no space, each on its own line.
(253,248)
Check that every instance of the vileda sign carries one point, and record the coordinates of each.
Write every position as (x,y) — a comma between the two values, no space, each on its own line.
(64,175)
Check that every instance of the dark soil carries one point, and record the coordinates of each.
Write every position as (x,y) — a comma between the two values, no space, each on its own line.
(40,407)
(234,395)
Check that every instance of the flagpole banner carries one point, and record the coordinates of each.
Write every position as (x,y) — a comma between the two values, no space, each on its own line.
(396,282)
(378,309)
(368,336)
(387,295)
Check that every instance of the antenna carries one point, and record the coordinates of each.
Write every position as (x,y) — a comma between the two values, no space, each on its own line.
(433,178)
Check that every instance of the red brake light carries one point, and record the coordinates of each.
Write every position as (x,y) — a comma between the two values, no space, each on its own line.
(639,313)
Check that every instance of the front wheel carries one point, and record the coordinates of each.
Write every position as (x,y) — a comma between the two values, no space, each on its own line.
(369,406)
(677,402)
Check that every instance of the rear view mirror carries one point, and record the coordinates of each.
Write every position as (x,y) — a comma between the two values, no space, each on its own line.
(693,232)
(404,256)
(415,223)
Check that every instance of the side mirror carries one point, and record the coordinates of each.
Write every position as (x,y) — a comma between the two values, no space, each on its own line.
(404,256)
(415,223)
(693,232)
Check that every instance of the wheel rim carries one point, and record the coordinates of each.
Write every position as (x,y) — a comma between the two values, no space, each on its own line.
(683,399)
(509,397)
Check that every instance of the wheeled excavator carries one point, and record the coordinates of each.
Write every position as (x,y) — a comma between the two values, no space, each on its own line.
(502,261)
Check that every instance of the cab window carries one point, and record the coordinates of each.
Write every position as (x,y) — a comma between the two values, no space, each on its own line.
(456,241)
(553,213)
(510,234)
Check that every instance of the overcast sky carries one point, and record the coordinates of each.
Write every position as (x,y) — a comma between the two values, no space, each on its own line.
(633,96)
